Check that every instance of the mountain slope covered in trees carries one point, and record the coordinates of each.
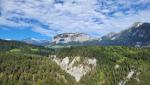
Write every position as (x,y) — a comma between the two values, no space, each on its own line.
(24,64)
(138,34)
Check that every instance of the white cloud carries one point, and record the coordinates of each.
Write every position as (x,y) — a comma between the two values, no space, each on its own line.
(6,22)
(118,14)
(43,31)
(74,15)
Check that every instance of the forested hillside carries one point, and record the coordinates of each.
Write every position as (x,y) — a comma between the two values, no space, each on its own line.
(23,48)
(114,63)
(24,64)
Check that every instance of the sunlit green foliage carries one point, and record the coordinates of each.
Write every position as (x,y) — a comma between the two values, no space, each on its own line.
(24,64)
(128,58)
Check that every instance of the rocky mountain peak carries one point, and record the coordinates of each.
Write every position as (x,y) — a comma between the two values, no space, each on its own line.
(70,37)
(137,24)
(139,32)
(140,24)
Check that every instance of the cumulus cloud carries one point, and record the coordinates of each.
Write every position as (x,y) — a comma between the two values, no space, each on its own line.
(95,17)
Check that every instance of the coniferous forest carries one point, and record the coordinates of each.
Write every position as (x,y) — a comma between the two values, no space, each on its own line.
(24,64)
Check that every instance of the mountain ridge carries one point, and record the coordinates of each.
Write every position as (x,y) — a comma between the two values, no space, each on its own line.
(35,41)
(136,35)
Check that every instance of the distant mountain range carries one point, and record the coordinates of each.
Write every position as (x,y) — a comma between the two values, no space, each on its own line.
(136,35)
(35,41)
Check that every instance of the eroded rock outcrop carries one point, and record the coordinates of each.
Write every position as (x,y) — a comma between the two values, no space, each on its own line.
(75,67)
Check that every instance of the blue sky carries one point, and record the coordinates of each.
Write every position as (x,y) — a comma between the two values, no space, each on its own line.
(43,19)
(19,34)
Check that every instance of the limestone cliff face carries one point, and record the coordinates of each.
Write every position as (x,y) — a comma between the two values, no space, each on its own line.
(75,67)
(70,37)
